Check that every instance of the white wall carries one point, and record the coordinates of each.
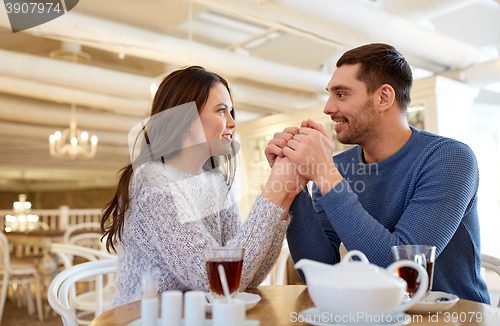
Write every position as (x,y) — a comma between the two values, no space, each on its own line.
(486,146)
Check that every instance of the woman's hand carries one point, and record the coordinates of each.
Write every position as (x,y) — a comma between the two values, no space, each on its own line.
(275,146)
(284,183)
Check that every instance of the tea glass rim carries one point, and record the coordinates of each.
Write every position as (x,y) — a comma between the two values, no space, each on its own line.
(413,247)
(222,248)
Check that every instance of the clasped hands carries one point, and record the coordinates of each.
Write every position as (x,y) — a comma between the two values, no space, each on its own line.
(298,155)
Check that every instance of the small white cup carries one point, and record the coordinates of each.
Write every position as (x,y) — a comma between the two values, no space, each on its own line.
(225,314)
(171,308)
(194,308)
(149,312)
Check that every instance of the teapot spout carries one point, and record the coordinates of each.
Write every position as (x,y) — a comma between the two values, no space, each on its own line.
(312,268)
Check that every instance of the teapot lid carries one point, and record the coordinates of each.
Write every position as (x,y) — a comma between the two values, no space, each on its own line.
(360,274)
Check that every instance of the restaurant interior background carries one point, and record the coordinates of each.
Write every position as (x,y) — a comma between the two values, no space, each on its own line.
(105,58)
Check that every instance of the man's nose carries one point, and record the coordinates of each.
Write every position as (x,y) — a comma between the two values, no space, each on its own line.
(330,107)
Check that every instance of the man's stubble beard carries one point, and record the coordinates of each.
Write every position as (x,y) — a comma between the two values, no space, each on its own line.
(360,130)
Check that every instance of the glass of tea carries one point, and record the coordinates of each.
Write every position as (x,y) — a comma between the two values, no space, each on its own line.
(423,255)
(231,258)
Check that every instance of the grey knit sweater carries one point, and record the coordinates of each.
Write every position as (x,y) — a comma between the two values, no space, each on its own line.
(173,215)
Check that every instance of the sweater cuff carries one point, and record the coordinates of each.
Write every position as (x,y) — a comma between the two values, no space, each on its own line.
(276,212)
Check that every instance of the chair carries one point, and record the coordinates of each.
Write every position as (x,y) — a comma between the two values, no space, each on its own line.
(18,272)
(91,238)
(277,276)
(59,288)
(66,251)
(491,263)
(278,273)
(85,302)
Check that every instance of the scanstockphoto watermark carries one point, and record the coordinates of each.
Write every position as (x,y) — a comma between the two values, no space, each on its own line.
(355,318)
(25,14)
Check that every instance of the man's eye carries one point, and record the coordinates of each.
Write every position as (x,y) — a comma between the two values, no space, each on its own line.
(340,94)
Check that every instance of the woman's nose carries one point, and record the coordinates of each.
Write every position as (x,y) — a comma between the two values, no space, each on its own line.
(230,121)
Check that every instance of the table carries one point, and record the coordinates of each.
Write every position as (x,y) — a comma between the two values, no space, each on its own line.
(280,306)
(40,239)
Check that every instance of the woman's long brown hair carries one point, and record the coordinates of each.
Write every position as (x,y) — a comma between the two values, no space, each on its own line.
(180,87)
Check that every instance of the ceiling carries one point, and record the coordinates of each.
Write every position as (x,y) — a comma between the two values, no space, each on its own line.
(278,56)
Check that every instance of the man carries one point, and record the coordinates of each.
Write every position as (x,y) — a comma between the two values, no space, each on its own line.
(399,185)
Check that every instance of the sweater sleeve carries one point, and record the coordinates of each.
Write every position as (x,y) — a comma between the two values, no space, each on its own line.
(445,187)
(170,239)
(272,255)
(310,234)
(260,239)
(231,223)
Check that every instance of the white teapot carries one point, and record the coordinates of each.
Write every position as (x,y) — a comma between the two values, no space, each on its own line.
(352,287)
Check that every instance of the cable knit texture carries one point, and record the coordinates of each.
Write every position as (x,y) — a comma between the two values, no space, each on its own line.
(426,193)
(173,215)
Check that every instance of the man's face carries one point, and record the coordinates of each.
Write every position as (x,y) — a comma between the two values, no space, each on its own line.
(350,106)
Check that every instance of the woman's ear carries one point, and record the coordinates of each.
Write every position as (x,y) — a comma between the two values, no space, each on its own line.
(385,97)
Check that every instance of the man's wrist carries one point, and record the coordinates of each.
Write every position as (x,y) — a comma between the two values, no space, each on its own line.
(327,181)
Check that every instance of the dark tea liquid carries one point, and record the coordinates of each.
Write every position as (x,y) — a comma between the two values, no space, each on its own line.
(410,275)
(233,274)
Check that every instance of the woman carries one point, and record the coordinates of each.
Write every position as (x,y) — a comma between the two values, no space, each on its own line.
(174,199)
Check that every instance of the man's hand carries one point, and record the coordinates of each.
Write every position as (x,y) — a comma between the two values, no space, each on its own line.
(275,146)
(312,152)
(314,125)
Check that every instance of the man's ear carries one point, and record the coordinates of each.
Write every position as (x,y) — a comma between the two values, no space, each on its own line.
(385,97)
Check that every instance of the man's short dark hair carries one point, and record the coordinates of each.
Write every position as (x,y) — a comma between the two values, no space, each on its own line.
(381,64)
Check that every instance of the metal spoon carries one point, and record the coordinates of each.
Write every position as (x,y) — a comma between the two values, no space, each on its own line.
(209,297)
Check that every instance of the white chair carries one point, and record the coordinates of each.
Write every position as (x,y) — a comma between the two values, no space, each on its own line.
(491,263)
(277,276)
(278,273)
(64,250)
(59,288)
(42,226)
(85,302)
(18,272)
(90,238)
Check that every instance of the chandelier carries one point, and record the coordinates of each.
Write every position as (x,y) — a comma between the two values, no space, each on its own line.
(79,144)
(21,220)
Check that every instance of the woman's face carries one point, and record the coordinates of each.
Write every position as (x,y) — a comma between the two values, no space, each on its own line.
(217,122)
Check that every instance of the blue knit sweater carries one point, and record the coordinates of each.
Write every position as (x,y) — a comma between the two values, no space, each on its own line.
(426,193)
